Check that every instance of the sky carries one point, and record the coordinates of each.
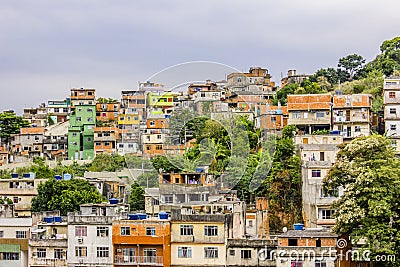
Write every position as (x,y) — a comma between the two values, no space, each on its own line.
(49,47)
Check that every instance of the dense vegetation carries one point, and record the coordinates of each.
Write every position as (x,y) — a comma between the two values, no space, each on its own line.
(64,195)
(369,210)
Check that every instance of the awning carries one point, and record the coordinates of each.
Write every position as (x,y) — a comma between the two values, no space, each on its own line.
(38,231)
(9,248)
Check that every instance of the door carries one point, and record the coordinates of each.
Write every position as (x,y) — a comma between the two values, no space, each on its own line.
(347,115)
(348,131)
(150,255)
(321,156)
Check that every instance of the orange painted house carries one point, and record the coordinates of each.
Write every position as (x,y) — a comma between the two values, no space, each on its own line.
(271,118)
(107,112)
(142,242)
(105,140)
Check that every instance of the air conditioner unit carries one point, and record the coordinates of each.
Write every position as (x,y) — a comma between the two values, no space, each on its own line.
(119,250)
(80,240)
(80,261)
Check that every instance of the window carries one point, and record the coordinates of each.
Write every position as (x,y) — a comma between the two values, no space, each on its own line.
(158,136)
(168,199)
(130,145)
(1,234)
(106,134)
(334,193)
(121,145)
(393,127)
(41,253)
(320,114)
(250,223)
(210,230)
(202,94)
(9,256)
(292,242)
(89,110)
(98,144)
(305,115)
(78,119)
(107,143)
(158,147)
(296,115)
(20,234)
(80,230)
(90,119)
(326,214)
(125,230)
(152,123)
(392,111)
(273,119)
(89,139)
(296,264)
(65,110)
(15,199)
(186,229)
(245,254)
(103,252)
(232,252)
(316,173)
(151,231)
(102,231)
(80,251)
(210,252)
(392,94)
(319,263)
(74,134)
(357,129)
(184,252)
(56,110)
(58,253)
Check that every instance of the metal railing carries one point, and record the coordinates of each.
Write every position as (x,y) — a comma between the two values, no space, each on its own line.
(139,260)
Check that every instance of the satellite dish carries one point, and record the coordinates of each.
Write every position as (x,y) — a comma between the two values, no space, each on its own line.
(284,229)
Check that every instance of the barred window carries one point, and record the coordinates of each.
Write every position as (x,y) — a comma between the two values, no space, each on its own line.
(210,230)
(20,234)
(125,230)
(103,252)
(151,231)
(245,254)
(184,252)
(80,230)
(80,251)
(186,229)
(102,231)
(41,253)
(210,252)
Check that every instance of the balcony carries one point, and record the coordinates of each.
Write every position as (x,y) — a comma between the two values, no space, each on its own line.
(19,191)
(139,260)
(47,262)
(50,242)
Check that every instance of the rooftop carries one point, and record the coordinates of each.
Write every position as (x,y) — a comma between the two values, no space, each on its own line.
(309,232)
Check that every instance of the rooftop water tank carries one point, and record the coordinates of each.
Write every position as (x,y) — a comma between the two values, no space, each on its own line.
(113,200)
(58,177)
(67,176)
(163,215)
(133,217)
(57,219)
(142,216)
(49,219)
(14,175)
(298,226)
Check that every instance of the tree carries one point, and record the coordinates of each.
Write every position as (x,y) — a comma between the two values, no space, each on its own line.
(136,199)
(64,195)
(107,162)
(10,124)
(351,64)
(281,95)
(369,209)
(283,184)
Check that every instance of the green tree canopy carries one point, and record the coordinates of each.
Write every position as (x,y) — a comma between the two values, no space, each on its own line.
(136,198)
(10,124)
(64,195)
(352,64)
(369,209)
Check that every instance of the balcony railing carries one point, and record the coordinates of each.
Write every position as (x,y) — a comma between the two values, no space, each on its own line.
(139,260)
(48,262)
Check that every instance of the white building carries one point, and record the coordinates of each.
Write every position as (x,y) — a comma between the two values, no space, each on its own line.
(391,102)
(90,234)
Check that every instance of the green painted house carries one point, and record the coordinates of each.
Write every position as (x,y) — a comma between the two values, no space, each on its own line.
(81,132)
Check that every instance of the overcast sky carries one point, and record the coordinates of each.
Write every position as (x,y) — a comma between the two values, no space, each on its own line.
(48,47)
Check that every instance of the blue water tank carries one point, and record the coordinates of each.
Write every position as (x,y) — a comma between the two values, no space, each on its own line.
(163,215)
(67,176)
(199,170)
(49,219)
(113,200)
(335,132)
(14,175)
(58,177)
(142,216)
(26,175)
(298,226)
(133,217)
(57,219)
